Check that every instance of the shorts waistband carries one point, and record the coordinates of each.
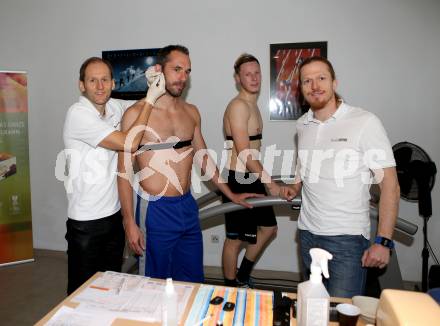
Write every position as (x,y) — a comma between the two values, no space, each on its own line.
(238,174)
(171,199)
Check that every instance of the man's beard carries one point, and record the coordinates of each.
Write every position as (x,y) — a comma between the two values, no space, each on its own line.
(321,103)
(318,105)
(175,93)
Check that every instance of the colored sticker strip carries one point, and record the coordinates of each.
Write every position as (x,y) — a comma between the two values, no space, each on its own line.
(200,305)
(252,307)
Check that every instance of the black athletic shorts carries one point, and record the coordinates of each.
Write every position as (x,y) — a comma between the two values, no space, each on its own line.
(243,224)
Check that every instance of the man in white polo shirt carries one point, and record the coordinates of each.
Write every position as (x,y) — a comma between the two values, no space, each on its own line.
(341,150)
(95,235)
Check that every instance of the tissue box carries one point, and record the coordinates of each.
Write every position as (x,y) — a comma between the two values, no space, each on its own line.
(406,308)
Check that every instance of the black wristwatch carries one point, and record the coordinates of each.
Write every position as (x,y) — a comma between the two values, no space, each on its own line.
(384,242)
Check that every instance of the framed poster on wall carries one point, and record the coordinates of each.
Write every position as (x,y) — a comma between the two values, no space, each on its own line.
(285,59)
(129,71)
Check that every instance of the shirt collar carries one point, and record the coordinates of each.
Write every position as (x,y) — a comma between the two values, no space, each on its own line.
(342,108)
(109,112)
(309,118)
(340,111)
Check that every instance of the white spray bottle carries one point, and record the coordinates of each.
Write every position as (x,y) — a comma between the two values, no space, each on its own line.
(169,304)
(313,300)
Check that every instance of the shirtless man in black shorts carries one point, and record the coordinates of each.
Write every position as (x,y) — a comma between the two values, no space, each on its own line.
(243,129)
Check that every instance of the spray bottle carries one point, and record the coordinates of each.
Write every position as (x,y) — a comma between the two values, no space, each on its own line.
(169,305)
(313,298)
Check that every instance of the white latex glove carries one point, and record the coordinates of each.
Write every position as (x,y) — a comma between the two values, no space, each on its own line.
(151,74)
(156,86)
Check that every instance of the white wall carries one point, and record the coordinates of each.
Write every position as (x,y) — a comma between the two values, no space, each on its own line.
(385,54)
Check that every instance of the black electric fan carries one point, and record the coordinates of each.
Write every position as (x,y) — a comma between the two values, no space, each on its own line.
(416,173)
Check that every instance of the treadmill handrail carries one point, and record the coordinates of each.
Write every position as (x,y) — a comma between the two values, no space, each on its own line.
(401,224)
(214,194)
(207,198)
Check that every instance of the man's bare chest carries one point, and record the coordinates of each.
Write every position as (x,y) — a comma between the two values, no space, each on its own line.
(163,125)
(255,122)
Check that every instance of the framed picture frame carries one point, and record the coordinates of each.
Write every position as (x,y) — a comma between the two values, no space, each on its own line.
(129,71)
(285,59)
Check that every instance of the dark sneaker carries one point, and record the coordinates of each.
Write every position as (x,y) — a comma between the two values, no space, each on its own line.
(249,284)
(230,283)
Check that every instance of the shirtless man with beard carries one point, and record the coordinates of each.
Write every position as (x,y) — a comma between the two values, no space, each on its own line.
(173,246)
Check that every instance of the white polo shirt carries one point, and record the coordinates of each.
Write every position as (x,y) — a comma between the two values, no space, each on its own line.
(92,184)
(335,159)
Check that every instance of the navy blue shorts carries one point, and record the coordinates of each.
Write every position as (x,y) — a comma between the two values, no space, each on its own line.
(174,239)
(243,224)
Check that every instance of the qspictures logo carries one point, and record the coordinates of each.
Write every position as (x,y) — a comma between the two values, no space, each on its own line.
(73,167)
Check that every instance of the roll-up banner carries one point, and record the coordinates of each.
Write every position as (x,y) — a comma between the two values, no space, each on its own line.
(15,191)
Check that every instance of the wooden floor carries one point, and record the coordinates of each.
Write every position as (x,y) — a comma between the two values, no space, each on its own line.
(29,291)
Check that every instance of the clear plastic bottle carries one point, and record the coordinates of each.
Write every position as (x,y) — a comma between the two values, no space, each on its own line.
(313,299)
(169,305)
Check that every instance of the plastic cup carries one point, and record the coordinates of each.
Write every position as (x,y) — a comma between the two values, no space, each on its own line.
(348,314)
(368,307)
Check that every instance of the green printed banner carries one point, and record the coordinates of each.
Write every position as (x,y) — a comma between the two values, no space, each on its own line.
(15,191)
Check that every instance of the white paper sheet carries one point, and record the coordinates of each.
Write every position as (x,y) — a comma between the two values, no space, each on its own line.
(129,296)
(66,316)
